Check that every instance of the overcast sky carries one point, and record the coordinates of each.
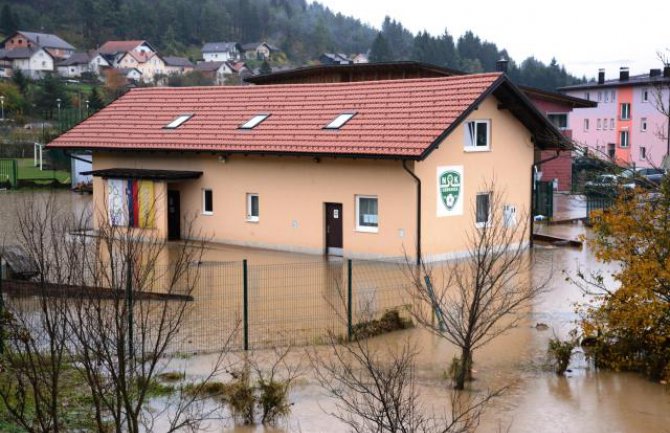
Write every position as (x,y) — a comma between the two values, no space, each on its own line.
(583,35)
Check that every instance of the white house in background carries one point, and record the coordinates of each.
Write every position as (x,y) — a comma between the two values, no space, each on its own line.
(150,65)
(114,51)
(220,51)
(216,71)
(360,58)
(131,74)
(80,63)
(33,62)
(258,51)
(178,65)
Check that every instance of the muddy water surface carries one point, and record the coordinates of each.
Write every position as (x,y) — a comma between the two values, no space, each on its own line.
(536,400)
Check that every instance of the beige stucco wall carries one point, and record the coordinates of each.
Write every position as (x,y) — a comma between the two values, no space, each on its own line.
(508,164)
(293,192)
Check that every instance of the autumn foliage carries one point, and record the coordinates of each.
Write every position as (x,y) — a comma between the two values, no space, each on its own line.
(630,325)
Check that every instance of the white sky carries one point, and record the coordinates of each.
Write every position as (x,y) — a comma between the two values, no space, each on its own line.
(583,35)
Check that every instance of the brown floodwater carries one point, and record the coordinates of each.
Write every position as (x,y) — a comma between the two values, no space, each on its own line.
(536,401)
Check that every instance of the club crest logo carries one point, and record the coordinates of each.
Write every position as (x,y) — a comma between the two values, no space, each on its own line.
(450,188)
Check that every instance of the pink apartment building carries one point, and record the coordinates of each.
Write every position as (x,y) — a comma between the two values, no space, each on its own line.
(626,125)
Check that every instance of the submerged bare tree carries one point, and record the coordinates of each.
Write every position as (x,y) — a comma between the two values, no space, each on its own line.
(111,308)
(481,296)
(375,390)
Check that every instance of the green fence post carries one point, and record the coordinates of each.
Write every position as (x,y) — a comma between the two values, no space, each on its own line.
(350,325)
(129,306)
(245,286)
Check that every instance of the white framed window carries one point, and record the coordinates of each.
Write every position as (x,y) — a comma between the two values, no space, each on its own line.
(600,96)
(643,124)
(645,95)
(207,202)
(613,96)
(598,124)
(611,123)
(607,96)
(643,153)
(509,215)
(367,213)
(623,139)
(625,111)
(339,121)
(253,207)
(586,124)
(482,209)
(478,136)
(178,121)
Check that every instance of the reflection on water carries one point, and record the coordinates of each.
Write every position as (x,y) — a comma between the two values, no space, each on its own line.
(537,400)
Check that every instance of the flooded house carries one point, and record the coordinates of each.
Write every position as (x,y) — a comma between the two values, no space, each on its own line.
(369,169)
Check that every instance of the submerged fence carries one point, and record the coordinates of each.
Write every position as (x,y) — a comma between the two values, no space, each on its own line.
(259,305)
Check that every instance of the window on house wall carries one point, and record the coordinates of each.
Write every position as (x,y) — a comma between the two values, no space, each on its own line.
(623,139)
(625,111)
(253,207)
(207,202)
(367,213)
(643,153)
(611,123)
(560,120)
(607,96)
(600,96)
(478,135)
(598,124)
(131,203)
(643,124)
(482,208)
(586,124)
(613,95)
(645,95)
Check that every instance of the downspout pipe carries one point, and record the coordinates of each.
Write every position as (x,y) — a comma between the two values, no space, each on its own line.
(418,210)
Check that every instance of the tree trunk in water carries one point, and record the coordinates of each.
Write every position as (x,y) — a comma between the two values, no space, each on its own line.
(465,370)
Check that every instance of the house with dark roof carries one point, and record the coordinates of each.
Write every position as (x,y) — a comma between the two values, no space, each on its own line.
(335,59)
(258,51)
(34,62)
(361,169)
(89,62)
(220,51)
(177,65)
(54,45)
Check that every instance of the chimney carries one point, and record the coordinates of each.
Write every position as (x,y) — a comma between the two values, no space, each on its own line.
(666,70)
(601,76)
(654,73)
(501,65)
(623,73)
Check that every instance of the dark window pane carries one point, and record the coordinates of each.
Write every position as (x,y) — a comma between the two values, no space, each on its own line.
(209,201)
(482,208)
(367,212)
(482,134)
(254,206)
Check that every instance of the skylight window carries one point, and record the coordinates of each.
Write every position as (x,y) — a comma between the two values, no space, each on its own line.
(340,120)
(176,123)
(254,121)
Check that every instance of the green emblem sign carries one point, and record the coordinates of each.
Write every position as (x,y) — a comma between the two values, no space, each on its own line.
(450,188)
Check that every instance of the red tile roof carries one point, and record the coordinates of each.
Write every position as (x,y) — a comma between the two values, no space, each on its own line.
(401,118)
(113,47)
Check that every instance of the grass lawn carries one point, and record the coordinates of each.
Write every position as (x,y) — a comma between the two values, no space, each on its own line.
(27,171)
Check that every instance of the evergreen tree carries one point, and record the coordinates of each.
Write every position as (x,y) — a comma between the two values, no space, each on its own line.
(21,81)
(380,51)
(95,102)
(51,89)
(8,20)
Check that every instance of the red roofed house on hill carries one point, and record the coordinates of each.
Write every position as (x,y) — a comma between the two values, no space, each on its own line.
(361,169)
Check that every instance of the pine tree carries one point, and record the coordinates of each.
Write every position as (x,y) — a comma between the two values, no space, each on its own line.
(265,68)
(380,50)
(8,20)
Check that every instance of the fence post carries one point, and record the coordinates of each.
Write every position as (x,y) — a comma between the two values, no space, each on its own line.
(350,326)
(245,287)
(129,306)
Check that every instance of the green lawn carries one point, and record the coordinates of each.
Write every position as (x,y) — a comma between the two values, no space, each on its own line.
(27,171)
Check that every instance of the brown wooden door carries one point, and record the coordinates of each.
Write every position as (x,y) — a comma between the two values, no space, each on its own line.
(334,229)
(174,214)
